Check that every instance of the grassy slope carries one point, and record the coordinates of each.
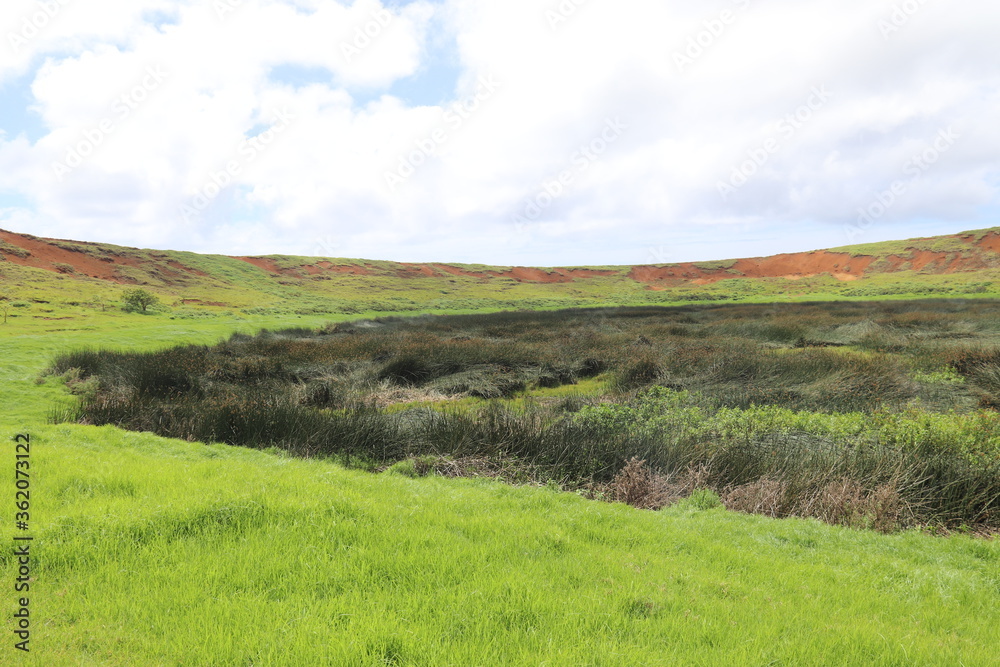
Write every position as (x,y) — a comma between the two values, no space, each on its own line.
(163,552)
(958,243)
(241,286)
(154,551)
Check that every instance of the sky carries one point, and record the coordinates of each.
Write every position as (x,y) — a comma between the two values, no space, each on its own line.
(513,132)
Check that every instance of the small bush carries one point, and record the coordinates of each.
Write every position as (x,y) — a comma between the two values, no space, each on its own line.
(638,486)
(847,503)
(138,300)
(765,496)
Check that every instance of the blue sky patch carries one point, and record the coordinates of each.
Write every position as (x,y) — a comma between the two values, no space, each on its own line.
(299,76)
(16,114)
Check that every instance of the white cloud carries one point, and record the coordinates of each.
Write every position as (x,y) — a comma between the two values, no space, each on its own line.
(164,109)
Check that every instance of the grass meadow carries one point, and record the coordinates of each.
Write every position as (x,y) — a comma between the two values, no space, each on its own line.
(160,552)
(154,550)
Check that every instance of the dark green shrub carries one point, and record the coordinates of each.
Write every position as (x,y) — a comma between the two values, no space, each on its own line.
(138,300)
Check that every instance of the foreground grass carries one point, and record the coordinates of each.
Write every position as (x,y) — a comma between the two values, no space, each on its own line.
(155,551)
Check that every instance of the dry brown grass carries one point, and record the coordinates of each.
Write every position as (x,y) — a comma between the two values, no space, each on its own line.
(765,496)
(469,466)
(638,486)
(843,502)
(387,394)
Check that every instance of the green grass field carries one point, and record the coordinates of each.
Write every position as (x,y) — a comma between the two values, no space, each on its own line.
(150,551)
(153,551)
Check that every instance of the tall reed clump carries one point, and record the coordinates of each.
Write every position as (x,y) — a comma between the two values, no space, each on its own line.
(902,468)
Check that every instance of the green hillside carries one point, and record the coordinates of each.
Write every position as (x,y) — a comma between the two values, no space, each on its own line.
(45,278)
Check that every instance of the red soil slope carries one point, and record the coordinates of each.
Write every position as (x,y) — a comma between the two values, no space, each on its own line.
(794,266)
(981,254)
(104,264)
(89,259)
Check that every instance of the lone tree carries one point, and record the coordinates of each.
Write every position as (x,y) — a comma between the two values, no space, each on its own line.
(138,299)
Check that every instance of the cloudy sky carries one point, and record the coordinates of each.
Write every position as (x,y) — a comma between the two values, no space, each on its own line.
(535,132)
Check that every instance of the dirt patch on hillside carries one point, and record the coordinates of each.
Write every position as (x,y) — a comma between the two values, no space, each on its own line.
(174,264)
(408,271)
(321,268)
(531,275)
(483,276)
(934,262)
(842,266)
(264,264)
(42,254)
(804,264)
(416,271)
(793,266)
(895,263)
(83,259)
(990,242)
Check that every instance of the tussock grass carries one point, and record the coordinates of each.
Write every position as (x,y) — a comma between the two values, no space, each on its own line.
(719,396)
